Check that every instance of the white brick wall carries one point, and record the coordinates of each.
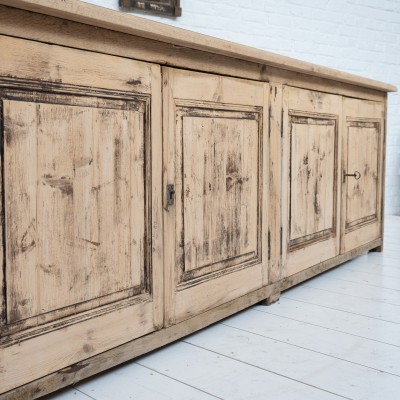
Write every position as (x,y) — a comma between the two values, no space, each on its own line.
(358,36)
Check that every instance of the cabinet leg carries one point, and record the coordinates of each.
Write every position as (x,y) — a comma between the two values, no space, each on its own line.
(271,299)
(378,249)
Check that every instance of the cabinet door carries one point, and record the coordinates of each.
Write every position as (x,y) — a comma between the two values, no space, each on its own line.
(216,161)
(362,174)
(82,206)
(311,178)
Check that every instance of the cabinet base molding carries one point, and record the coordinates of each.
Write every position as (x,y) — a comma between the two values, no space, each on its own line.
(135,348)
(328,264)
(378,249)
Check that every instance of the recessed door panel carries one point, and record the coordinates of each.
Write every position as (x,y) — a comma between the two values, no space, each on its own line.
(311,190)
(217,141)
(361,196)
(220,186)
(312,199)
(80,177)
(362,172)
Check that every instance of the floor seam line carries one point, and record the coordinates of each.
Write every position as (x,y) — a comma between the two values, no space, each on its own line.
(284,296)
(350,295)
(177,380)
(371,273)
(338,309)
(315,351)
(267,370)
(326,276)
(324,327)
(85,394)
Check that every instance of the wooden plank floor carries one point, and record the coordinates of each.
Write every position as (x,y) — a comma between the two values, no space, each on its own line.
(334,336)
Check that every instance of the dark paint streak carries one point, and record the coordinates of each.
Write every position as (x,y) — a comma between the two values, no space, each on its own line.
(234,180)
(269,244)
(264,73)
(3,286)
(117,177)
(87,348)
(91,242)
(28,240)
(134,82)
(316,98)
(64,184)
(16,312)
(271,117)
(74,368)
(51,270)
(317,208)
(7,124)
(308,173)
(24,302)
(83,162)
(97,188)
(246,115)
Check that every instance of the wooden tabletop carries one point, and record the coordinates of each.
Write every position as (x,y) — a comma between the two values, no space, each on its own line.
(89,14)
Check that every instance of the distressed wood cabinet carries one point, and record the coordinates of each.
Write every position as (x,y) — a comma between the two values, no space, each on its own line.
(155,181)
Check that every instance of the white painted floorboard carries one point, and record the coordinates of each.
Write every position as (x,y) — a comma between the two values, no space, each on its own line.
(335,336)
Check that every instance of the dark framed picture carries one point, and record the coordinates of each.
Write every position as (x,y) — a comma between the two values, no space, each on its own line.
(164,7)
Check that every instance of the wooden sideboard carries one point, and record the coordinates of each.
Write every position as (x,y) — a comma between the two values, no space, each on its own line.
(155,181)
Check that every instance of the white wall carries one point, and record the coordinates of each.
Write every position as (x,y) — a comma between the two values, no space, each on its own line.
(358,36)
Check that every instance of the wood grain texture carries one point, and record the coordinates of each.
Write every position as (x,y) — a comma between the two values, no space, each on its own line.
(127,351)
(38,27)
(361,204)
(21,251)
(83,216)
(43,354)
(312,169)
(219,211)
(69,66)
(67,228)
(214,156)
(275,271)
(145,344)
(97,16)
